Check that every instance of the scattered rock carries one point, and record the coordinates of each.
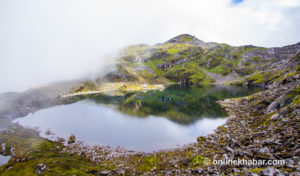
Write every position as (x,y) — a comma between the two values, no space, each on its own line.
(198,171)
(40,168)
(269,171)
(229,149)
(120,172)
(72,139)
(289,163)
(59,139)
(264,150)
(297,152)
(3,147)
(104,173)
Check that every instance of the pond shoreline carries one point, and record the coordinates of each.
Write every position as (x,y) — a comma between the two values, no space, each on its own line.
(140,121)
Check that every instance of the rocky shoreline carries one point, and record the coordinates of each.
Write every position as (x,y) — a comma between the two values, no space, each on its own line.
(255,130)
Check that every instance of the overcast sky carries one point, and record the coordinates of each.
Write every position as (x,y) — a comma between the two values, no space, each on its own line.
(48,40)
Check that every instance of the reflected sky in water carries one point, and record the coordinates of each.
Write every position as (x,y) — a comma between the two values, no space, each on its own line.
(138,121)
(104,125)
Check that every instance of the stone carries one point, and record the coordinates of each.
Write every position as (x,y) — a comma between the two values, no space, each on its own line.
(3,147)
(40,168)
(269,171)
(104,173)
(264,150)
(72,139)
(229,149)
(275,116)
(198,171)
(165,65)
(233,143)
(297,152)
(289,163)
(120,172)
(59,139)
(186,161)
(180,61)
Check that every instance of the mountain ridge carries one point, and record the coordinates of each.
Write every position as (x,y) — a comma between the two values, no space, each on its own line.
(188,61)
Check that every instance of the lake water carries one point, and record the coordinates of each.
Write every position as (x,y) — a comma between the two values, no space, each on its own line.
(4,159)
(138,121)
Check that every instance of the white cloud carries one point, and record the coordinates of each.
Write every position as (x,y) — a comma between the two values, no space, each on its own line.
(44,41)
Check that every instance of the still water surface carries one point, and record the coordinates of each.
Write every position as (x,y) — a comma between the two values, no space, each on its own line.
(138,121)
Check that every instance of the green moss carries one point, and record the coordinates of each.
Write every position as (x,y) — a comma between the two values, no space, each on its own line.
(222,69)
(257,170)
(292,74)
(236,82)
(153,64)
(222,129)
(175,48)
(197,75)
(148,163)
(200,161)
(257,78)
(295,95)
(186,38)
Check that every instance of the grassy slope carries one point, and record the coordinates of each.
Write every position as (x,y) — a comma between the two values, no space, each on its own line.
(186,61)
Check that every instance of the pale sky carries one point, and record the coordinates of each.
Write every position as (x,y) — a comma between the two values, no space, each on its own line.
(42,41)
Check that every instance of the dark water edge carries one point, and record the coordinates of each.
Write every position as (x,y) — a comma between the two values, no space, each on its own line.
(179,104)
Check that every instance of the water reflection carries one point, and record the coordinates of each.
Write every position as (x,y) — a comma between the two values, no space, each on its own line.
(103,125)
(181,105)
(172,117)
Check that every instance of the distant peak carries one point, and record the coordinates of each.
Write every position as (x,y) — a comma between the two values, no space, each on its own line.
(185,38)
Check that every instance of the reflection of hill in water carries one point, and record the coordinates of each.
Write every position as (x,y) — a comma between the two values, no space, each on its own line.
(182,105)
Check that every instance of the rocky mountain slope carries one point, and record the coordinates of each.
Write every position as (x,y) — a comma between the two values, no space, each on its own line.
(187,60)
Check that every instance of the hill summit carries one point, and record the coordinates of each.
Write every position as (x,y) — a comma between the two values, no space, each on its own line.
(187,60)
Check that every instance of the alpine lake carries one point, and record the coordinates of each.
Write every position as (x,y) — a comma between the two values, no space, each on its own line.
(140,121)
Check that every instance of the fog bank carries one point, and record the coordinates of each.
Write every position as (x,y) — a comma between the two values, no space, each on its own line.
(51,40)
